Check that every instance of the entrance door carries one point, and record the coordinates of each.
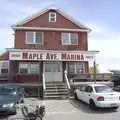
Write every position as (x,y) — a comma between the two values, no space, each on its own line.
(53,71)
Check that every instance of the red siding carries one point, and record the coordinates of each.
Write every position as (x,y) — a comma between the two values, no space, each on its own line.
(43,21)
(16,77)
(52,40)
(4,56)
(86,67)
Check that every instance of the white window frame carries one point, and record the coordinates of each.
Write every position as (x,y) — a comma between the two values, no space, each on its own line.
(69,39)
(52,17)
(28,69)
(34,38)
(1,67)
(75,67)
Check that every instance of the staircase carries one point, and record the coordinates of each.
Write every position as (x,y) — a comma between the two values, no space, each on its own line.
(56,90)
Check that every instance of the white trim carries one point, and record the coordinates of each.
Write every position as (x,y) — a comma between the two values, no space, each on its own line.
(34,38)
(46,28)
(29,63)
(52,55)
(26,33)
(52,17)
(69,39)
(75,63)
(60,63)
(1,67)
(57,10)
(55,51)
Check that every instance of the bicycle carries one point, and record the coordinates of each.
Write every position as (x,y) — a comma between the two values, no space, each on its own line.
(37,114)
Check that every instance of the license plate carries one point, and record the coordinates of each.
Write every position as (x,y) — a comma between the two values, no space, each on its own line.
(114,104)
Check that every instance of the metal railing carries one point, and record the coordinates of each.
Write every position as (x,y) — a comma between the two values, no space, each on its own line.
(90,77)
(66,79)
(44,86)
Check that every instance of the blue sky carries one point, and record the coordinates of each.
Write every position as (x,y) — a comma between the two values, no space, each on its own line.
(102,16)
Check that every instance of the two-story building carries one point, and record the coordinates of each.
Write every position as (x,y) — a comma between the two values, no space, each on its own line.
(47,45)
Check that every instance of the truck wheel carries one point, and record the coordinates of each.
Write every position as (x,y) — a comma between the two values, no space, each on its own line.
(115,108)
(76,97)
(92,105)
(14,112)
(22,101)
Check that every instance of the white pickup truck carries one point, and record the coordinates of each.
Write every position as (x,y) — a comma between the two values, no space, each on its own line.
(98,95)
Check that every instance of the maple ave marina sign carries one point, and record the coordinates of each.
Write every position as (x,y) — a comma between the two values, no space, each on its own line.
(51,56)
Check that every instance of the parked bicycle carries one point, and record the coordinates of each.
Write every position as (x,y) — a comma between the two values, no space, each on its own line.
(36,114)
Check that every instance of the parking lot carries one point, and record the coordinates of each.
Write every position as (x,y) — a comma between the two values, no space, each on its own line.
(70,110)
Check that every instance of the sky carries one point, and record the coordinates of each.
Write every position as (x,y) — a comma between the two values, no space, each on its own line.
(102,16)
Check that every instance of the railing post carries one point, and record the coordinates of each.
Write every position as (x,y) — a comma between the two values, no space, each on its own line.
(94,63)
(67,82)
(44,86)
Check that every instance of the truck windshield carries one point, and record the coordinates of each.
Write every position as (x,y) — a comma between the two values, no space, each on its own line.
(4,91)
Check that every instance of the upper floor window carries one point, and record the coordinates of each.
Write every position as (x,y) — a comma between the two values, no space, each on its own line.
(52,17)
(69,38)
(34,37)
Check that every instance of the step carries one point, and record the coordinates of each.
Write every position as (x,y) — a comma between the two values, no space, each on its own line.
(56,97)
(55,82)
(54,90)
(62,84)
(56,93)
(56,87)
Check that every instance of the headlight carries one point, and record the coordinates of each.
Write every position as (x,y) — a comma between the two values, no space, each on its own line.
(8,105)
(14,93)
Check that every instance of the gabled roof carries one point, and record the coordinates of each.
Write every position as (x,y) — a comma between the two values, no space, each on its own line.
(4,56)
(52,7)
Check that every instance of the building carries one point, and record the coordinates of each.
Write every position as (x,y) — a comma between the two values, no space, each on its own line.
(115,77)
(47,45)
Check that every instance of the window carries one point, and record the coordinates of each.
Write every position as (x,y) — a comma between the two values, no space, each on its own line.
(23,68)
(29,68)
(103,89)
(52,17)
(69,38)
(88,89)
(34,37)
(75,67)
(4,67)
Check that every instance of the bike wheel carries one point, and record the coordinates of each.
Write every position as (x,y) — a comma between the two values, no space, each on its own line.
(24,110)
(31,116)
(38,118)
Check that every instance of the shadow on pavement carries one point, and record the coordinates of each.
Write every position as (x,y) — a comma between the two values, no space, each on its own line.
(4,117)
(85,108)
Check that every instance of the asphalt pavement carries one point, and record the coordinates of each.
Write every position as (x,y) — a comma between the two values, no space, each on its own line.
(68,110)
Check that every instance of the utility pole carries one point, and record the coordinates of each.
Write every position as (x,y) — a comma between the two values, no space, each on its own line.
(94,63)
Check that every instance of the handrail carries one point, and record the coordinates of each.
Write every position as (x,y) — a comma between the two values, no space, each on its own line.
(44,86)
(66,78)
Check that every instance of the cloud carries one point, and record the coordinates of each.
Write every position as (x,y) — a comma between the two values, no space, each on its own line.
(104,39)
(6,38)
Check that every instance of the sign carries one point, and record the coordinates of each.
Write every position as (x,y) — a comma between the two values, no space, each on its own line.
(51,56)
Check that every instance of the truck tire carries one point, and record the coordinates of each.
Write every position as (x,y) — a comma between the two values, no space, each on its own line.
(76,97)
(92,105)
